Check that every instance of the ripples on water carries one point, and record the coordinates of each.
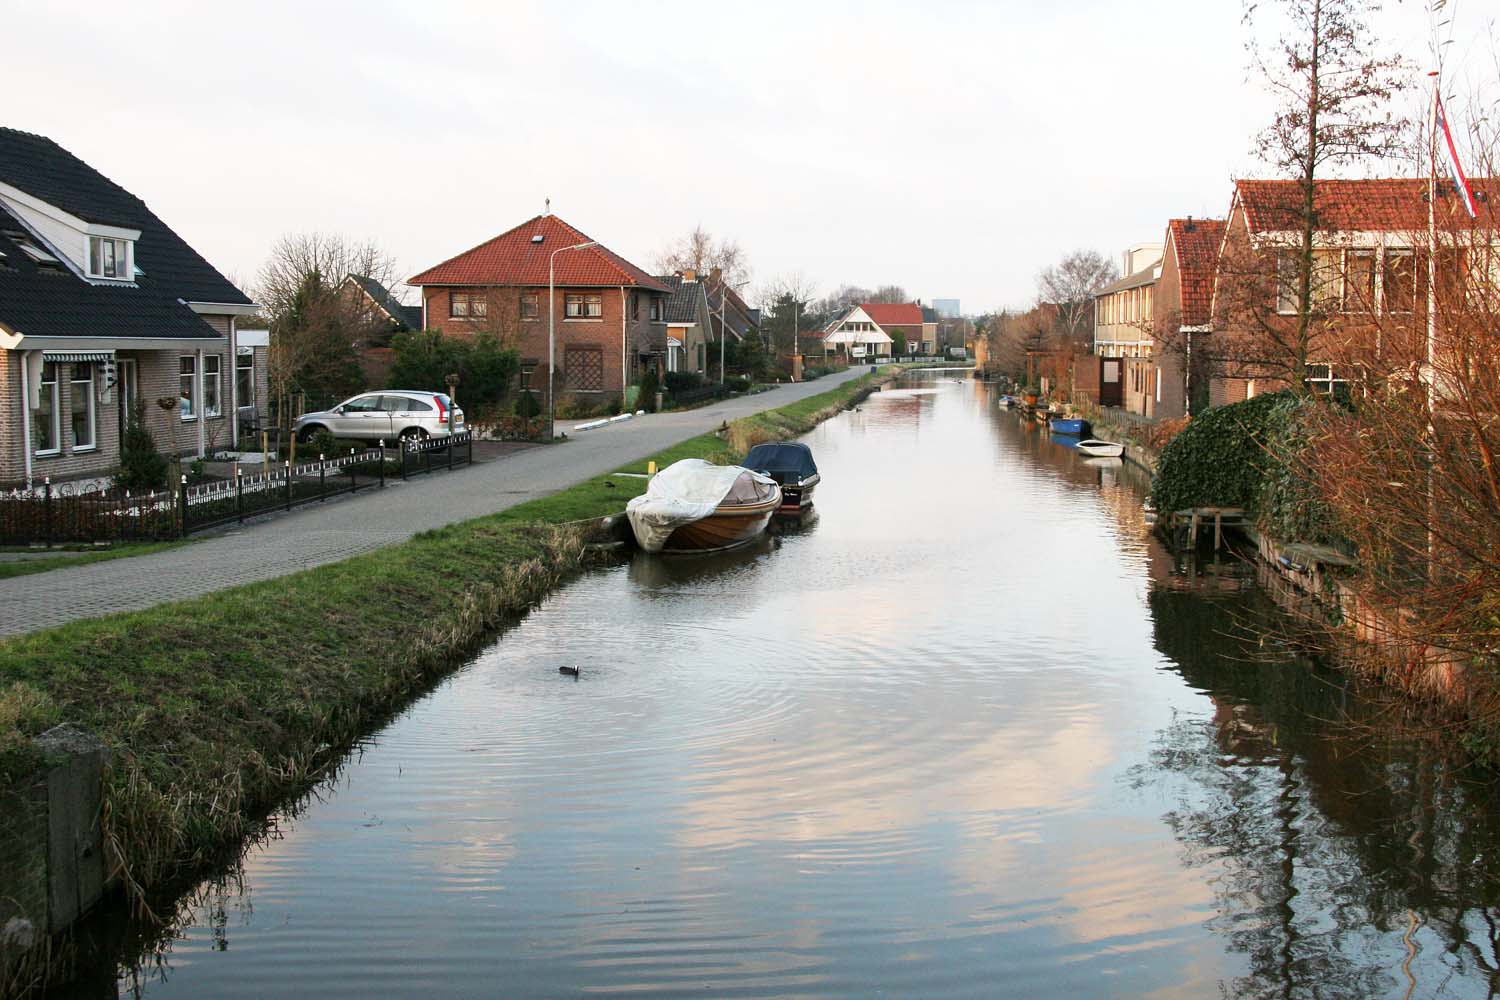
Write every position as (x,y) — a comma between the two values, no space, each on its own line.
(965,733)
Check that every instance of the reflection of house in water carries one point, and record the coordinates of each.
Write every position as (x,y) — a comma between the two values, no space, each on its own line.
(1330,839)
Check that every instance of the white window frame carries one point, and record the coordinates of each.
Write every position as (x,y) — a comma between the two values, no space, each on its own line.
(56,409)
(215,362)
(74,383)
(246,397)
(1325,385)
(123,252)
(1410,255)
(187,379)
(1286,284)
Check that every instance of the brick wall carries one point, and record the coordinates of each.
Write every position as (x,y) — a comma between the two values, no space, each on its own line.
(604,333)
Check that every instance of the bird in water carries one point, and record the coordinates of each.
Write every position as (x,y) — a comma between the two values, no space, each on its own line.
(568,671)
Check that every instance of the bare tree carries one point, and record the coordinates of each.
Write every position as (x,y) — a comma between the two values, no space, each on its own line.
(843,297)
(1071,284)
(889,293)
(1336,110)
(785,302)
(317,328)
(700,251)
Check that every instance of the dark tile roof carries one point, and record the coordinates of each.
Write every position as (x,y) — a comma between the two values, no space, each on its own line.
(45,170)
(682,304)
(408,317)
(1145,276)
(51,301)
(520,256)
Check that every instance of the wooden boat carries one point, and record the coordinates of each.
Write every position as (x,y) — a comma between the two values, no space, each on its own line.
(1070,425)
(791,464)
(1042,416)
(694,506)
(1095,448)
(1008,401)
(732,524)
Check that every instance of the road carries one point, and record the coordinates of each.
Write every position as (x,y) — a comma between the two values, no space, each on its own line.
(315,536)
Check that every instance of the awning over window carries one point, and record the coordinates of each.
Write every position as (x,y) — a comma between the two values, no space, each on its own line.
(77,357)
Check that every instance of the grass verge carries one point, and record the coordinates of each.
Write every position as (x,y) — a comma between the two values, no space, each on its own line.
(26,567)
(217,707)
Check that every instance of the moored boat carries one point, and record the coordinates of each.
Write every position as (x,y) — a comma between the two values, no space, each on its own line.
(1095,448)
(694,506)
(1070,425)
(791,464)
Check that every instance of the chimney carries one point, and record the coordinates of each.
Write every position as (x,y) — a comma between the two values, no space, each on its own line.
(689,274)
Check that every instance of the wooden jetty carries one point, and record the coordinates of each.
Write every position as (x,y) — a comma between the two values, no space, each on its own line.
(1198,518)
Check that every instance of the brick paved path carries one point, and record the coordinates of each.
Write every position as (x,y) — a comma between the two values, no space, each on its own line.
(337,530)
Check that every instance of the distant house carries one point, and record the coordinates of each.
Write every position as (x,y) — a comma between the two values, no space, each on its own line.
(904,318)
(857,334)
(1123,312)
(727,309)
(383,315)
(689,322)
(609,315)
(1180,313)
(103,307)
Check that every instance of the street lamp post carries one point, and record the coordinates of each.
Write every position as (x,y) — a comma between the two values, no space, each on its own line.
(552,333)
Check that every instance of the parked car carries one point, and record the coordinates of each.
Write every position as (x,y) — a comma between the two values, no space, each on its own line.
(385,416)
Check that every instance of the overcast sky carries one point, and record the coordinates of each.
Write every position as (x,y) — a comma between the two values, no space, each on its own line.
(952,148)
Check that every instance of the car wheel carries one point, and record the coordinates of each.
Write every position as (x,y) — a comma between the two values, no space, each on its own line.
(306,434)
(414,434)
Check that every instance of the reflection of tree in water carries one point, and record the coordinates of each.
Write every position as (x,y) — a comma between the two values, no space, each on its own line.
(1330,844)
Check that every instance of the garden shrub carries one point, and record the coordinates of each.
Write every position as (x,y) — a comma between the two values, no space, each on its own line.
(649,388)
(682,381)
(142,468)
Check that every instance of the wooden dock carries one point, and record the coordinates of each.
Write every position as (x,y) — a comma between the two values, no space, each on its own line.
(1197,519)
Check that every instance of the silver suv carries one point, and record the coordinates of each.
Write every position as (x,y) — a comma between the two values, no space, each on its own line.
(385,416)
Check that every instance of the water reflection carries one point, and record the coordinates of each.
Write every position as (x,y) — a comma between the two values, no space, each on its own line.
(967,730)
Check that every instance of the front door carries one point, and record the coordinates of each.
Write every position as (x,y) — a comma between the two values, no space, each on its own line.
(126,384)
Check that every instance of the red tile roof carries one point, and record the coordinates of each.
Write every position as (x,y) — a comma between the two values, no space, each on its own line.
(1392,204)
(1196,245)
(893,313)
(517,258)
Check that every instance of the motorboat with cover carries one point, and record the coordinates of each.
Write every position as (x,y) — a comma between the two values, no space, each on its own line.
(695,506)
(791,464)
(1095,448)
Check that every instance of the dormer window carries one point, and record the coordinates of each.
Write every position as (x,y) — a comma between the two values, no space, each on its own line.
(109,258)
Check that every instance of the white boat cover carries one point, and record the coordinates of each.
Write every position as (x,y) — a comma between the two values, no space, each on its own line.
(685,492)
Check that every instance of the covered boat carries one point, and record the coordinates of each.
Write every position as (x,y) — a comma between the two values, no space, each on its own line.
(791,464)
(694,506)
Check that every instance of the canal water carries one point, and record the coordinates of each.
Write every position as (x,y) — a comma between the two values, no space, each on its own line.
(967,732)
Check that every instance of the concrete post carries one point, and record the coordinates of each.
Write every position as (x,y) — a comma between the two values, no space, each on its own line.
(75,837)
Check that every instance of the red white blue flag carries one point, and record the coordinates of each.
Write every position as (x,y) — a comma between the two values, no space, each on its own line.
(1454,167)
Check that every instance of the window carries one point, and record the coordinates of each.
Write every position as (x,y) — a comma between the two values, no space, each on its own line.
(109,258)
(187,398)
(1158,385)
(529,308)
(583,306)
(1286,282)
(656,309)
(635,305)
(211,405)
(1398,287)
(1359,281)
(585,369)
(363,404)
(1324,379)
(468,305)
(1327,290)
(44,419)
(244,378)
(81,403)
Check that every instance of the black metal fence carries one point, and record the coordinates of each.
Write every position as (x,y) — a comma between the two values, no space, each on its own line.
(60,515)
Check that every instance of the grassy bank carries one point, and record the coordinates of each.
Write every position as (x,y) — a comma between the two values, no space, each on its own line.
(217,707)
(26,567)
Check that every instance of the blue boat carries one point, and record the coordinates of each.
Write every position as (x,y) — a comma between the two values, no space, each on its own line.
(1065,425)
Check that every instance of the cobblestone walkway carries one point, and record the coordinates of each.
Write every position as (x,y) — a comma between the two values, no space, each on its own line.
(314,536)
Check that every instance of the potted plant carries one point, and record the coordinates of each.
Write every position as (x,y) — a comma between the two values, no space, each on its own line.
(1030,393)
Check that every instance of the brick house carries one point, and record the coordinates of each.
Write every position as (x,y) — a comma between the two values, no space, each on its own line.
(103,306)
(689,320)
(1369,286)
(381,315)
(727,308)
(1183,295)
(609,314)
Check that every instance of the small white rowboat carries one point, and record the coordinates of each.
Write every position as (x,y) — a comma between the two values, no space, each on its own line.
(1094,448)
